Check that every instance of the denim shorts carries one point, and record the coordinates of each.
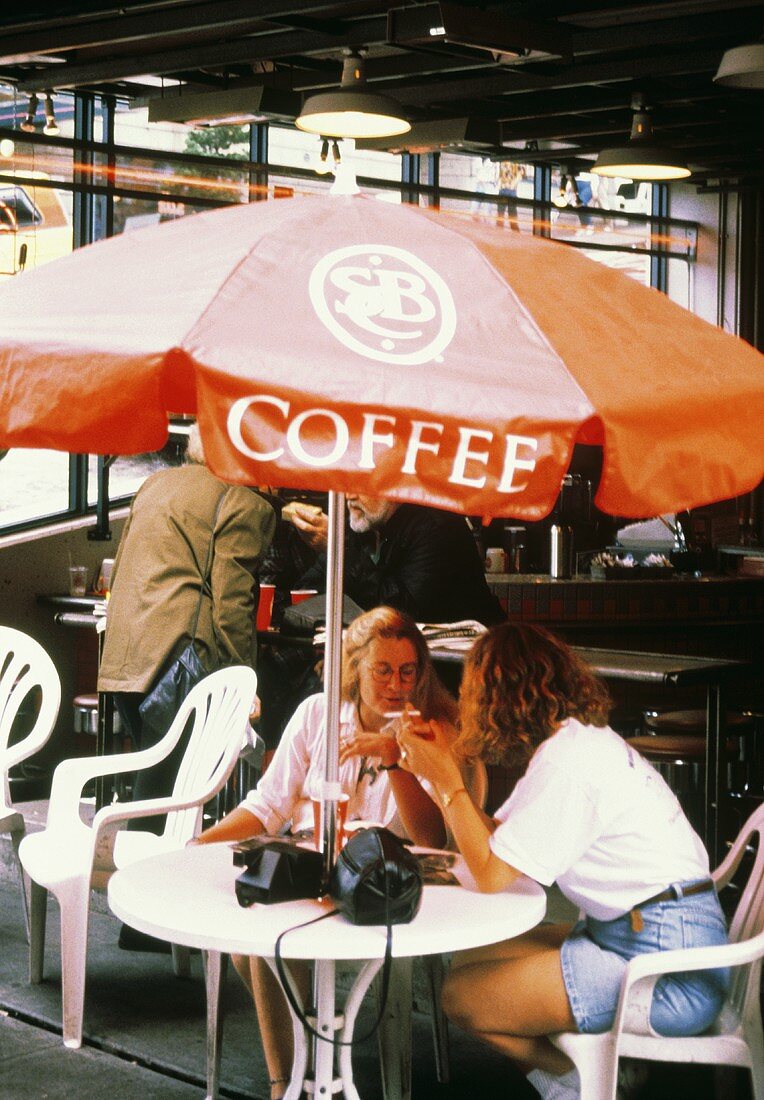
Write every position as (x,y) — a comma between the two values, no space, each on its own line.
(595,955)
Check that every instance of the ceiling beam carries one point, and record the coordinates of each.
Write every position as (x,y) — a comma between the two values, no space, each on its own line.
(508,80)
(159,21)
(206,56)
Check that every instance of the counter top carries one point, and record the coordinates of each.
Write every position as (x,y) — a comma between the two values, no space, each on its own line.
(585,578)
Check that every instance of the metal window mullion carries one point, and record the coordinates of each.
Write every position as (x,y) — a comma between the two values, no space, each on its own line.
(82,213)
(110,108)
(659,260)
(410,177)
(78,483)
(434,179)
(542,194)
(258,152)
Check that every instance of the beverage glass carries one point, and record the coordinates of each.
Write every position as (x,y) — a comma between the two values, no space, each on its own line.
(318,822)
(299,594)
(78,579)
(265,606)
(495,560)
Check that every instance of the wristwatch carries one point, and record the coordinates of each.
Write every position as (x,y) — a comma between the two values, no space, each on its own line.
(447,799)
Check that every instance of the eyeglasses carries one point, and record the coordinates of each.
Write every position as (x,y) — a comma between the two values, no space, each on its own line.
(382,673)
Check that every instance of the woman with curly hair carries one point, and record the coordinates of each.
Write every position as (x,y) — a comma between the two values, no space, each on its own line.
(593,816)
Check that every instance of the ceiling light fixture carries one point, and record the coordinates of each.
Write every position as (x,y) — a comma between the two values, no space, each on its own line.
(352,111)
(742,67)
(324,167)
(28,124)
(228,107)
(51,126)
(640,158)
(458,135)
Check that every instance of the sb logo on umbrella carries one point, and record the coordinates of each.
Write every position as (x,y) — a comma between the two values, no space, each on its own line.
(384,303)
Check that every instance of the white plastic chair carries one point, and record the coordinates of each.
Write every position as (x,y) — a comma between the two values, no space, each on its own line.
(69,857)
(735,1039)
(25,669)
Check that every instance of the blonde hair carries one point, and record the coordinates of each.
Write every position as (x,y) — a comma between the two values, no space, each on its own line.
(519,684)
(429,695)
(195,447)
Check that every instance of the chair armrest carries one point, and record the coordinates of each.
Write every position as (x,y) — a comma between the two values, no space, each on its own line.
(642,972)
(110,819)
(71,775)
(121,812)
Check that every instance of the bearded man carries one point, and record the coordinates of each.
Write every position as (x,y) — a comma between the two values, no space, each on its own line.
(419,560)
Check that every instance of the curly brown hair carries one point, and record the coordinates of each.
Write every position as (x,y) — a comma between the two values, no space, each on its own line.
(429,694)
(519,684)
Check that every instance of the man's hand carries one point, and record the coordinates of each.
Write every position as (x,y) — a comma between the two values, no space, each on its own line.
(313,528)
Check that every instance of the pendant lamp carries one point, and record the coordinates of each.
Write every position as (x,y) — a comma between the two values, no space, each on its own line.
(352,111)
(742,67)
(640,158)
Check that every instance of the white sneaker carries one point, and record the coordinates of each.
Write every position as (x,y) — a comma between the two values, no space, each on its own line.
(549,1087)
(632,1078)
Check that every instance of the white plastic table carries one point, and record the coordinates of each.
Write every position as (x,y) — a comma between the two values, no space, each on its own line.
(188,897)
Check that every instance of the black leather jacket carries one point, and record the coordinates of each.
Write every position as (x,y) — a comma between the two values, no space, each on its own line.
(427,565)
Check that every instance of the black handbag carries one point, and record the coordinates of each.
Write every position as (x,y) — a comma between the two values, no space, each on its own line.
(375,880)
(184,672)
(305,618)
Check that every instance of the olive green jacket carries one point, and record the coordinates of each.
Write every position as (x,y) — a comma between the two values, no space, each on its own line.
(159,569)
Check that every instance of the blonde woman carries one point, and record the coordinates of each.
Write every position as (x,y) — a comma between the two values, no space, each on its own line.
(385,666)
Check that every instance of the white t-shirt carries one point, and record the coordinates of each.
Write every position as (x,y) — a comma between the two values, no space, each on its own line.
(295,774)
(595,817)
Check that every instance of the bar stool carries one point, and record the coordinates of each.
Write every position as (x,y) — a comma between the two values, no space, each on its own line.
(86,715)
(85,725)
(675,742)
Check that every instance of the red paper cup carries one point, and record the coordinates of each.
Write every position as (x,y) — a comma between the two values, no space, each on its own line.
(318,829)
(265,606)
(300,594)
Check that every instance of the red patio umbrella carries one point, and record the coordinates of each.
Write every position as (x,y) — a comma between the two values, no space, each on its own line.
(345,343)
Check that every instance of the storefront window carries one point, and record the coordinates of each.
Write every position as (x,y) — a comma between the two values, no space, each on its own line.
(33,484)
(495,187)
(35,217)
(128,472)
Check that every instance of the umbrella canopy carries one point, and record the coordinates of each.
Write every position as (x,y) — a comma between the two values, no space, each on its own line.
(349,344)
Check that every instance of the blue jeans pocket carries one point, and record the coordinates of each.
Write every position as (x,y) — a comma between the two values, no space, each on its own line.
(687,1003)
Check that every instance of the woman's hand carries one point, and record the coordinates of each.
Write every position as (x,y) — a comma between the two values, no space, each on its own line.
(254,713)
(382,745)
(425,749)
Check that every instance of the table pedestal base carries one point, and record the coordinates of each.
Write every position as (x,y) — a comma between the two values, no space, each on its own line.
(313,1064)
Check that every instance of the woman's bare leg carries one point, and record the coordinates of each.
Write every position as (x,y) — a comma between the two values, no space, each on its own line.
(273,1015)
(512,996)
(540,938)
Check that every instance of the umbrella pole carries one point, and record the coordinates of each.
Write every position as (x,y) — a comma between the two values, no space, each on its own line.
(332,674)
(321,1061)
